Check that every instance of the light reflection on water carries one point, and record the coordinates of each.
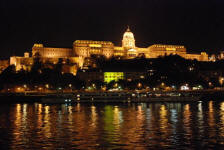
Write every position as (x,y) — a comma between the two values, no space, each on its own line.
(112,126)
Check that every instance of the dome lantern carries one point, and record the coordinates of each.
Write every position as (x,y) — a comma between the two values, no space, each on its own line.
(128,39)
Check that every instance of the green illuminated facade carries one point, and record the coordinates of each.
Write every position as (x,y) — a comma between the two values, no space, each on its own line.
(110,76)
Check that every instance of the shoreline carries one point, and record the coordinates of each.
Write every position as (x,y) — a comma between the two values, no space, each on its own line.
(31,97)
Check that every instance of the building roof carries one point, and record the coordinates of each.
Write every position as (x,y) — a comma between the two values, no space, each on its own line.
(92,42)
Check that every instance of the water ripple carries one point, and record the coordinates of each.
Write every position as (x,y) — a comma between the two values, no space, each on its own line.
(104,126)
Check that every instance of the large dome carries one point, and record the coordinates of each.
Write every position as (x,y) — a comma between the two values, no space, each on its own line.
(128,39)
(128,34)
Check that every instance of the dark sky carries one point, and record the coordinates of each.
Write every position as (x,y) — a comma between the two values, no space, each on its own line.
(197,24)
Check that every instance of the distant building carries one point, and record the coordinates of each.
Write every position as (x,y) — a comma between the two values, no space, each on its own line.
(113,76)
(85,48)
(221,56)
(107,77)
(69,65)
(129,50)
(213,58)
(48,52)
(3,65)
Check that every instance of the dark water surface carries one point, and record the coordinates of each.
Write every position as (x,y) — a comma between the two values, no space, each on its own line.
(198,125)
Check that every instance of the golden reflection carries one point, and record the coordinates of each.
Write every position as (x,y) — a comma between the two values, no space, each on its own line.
(163,121)
(17,123)
(78,107)
(131,129)
(187,107)
(210,106)
(211,119)
(200,118)
(222,106)
(70,109)
(21,129)
(24,112)
(39,108)
(47,123)
(222,119)
(187,121)
(18,108)
(93,116)
(70,119)
(18,115)
(117,118)
(95,126)
(139,115)
(46,108)
(39,116)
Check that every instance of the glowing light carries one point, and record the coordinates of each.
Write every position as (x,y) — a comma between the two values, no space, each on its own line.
(93,116)
(163,121)
(38,45)
(128,39)
(187,120)
(185,87)
(222,106)
(139,85)
(110,76)
(221,80)
(132,50)
(171,49)
(95,45)
(222,119)
(47,85)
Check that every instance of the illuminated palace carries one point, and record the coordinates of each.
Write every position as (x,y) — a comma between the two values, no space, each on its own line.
(83,49)
(130,50)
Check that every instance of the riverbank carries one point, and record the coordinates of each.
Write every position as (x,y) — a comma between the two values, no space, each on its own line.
(123,96)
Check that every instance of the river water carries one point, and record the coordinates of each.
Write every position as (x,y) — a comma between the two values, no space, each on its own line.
(198,125)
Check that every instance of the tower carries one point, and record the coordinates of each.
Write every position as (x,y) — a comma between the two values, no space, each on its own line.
(128,41)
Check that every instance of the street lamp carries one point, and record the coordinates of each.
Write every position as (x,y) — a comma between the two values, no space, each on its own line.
(70,85)
(221,80)
(139,85)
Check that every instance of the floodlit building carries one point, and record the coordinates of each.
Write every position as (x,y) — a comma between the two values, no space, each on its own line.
(82,49)
(86,48)
(113,76)
(3,65)
(48,52)
(69,64)
(107,77)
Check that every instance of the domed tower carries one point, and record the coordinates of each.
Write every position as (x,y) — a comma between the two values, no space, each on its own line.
(128,41)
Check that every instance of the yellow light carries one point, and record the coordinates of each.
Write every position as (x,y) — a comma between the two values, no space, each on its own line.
(139,85)
(222,106)
(221,80)
(47,85)
(95,45)
(110,76)
(170,49)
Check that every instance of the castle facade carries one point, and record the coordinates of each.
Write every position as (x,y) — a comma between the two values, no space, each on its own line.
(82,49)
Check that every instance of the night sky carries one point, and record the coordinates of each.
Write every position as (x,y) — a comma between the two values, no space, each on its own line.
(197,24)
